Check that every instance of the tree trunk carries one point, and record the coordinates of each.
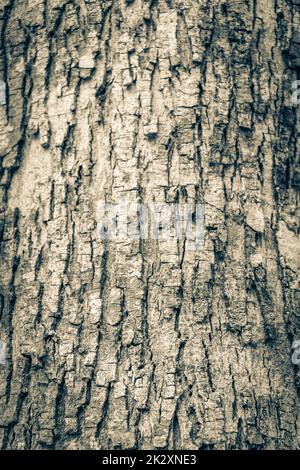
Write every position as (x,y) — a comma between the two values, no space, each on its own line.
(145,344)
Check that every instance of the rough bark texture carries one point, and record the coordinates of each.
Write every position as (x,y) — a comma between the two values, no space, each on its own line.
(145,344)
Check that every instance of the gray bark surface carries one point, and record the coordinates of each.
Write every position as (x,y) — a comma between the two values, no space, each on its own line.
(145,344)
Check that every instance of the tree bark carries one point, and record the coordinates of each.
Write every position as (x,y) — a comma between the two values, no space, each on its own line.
(144,344)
